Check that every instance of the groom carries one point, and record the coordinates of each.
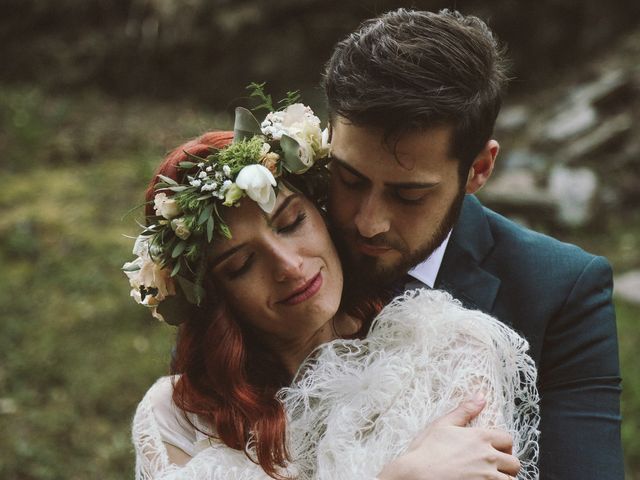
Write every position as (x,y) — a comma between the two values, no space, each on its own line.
(413,97)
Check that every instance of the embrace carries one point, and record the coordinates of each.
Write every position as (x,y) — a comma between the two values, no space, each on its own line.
(348,309)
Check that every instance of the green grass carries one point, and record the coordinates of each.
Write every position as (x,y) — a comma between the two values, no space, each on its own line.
(76,353)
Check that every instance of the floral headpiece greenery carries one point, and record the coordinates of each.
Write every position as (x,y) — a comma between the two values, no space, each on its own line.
(167,275)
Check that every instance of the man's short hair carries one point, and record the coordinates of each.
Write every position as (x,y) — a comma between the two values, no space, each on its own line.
(409,70)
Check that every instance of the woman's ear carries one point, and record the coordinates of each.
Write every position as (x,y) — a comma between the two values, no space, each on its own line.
(482,167)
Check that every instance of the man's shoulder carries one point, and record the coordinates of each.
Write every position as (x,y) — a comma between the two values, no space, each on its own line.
(516,240)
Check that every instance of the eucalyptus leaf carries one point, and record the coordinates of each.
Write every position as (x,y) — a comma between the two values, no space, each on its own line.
(291,160)
(168,180)
(181,188)
(245,126)
(193,293)
(178,249)
(210,225)
(176,269)
(193,157)
(187,165)
(205,214)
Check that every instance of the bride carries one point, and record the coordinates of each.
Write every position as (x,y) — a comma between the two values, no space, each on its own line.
(280,377)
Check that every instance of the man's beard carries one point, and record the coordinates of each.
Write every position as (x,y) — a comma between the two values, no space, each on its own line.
(364,277)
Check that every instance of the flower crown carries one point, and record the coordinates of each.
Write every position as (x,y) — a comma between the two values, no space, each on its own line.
(167,275)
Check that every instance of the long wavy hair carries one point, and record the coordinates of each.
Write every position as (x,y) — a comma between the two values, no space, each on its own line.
(227,377)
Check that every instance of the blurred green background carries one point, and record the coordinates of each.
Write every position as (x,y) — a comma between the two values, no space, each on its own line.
(94,93)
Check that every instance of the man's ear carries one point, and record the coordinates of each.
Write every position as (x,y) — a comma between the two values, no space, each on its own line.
(482,167)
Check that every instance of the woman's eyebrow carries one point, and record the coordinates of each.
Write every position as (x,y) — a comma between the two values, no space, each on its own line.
(226,254)
(283,206)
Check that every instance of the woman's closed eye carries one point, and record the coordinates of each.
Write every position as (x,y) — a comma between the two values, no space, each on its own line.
(239,267)
(293,225)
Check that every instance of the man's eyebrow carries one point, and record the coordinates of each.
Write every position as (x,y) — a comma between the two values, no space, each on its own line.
(400,185)
(349,168)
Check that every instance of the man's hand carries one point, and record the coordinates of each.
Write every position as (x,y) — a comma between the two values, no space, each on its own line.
(449,450)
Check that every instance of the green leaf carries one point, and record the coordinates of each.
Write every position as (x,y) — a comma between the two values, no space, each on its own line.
(181,188)
(176,269)
(193,157)
(245,126)
(224,229)
(205,214)
(178,249)
(193,293)
(210,225)
(187,165)
(291,160)
(168,180)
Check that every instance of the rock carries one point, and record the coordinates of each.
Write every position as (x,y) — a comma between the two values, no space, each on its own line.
(607,91)
(627,287)
(512,118)
(515,193)
(574,191)
(519,159)
(610,134)
(576,119)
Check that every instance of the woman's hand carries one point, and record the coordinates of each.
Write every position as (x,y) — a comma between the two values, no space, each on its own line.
(449,450)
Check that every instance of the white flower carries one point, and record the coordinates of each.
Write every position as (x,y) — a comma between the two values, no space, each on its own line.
(258,182)
(179,226)
(202,175)
(305,153)
(195,183)
(209,168)
(165,206)
(150,283)
(226,170)
(265,149)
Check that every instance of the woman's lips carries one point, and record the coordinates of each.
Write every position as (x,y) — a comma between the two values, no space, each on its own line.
(308,290)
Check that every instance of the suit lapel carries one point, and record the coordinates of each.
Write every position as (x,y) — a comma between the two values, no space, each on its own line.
(461,273)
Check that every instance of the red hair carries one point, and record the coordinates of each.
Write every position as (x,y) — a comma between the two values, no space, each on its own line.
(227,377)
(214,355)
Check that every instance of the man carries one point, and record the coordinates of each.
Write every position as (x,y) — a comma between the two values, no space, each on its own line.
(413,97)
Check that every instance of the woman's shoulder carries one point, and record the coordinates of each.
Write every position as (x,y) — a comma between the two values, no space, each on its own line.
(158,412)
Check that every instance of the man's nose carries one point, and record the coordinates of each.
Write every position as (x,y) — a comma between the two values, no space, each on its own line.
(372,217)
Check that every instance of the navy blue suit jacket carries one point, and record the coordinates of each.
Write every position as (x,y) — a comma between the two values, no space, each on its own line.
(559,298)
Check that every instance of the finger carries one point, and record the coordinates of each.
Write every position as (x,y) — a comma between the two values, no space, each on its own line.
(465,412)
(499,439)
(508,464)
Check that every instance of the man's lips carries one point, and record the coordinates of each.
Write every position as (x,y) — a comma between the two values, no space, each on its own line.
(306,291)
(372,250)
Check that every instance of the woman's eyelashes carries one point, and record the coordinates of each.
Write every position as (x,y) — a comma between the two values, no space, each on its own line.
(239,267)
(294,224)
(245,265)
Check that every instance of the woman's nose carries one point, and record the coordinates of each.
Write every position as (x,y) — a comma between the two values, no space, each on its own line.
(287,263)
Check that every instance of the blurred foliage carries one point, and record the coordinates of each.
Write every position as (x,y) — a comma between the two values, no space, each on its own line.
(76,353)
(208,49)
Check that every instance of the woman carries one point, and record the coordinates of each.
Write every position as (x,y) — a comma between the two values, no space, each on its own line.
(258,288)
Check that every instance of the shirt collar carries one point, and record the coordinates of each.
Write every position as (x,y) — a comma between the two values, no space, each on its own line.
(427,271)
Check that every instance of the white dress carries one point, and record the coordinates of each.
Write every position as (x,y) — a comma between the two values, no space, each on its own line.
(355,405)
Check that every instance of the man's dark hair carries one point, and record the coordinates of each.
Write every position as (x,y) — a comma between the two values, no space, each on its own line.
(410,70)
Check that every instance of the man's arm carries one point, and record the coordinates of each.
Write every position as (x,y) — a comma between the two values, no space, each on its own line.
(580,384)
